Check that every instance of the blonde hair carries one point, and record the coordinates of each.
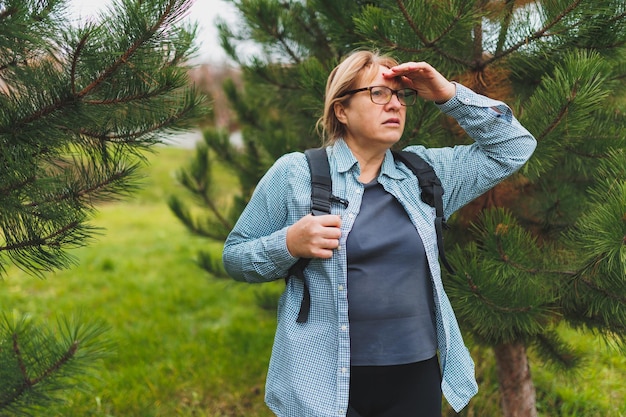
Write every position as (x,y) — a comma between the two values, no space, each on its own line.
(359,65)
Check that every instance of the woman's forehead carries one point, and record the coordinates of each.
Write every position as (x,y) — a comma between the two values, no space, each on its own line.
(373,74)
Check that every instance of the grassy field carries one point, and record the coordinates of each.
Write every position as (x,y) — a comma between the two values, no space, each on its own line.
(187,344)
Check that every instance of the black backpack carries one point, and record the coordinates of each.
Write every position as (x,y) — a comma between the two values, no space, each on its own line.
(322,197)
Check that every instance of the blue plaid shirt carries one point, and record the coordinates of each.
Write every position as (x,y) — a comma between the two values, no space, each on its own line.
(309,372)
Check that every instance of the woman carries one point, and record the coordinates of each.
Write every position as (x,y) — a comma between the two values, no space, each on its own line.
(381,339)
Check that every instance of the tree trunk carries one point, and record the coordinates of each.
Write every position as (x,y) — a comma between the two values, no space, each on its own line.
(516,384)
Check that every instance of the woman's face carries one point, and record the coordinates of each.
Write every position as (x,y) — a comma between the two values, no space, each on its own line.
(369,124)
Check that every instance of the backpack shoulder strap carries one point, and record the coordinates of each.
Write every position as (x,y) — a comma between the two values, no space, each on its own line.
(321,186)
(432,194)
(321,197)
(423,171)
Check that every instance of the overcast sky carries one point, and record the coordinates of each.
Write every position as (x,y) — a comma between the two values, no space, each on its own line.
(202,11)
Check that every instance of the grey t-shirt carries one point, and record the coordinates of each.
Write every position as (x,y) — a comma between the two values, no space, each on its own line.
(390,298)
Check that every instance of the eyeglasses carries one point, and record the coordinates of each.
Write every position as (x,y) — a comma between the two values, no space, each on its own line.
(379,94)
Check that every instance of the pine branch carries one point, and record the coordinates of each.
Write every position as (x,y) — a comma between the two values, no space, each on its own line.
(17,186)
(75,96)
(40,361)
(197,180)
(41,113)
(507,259)
(129,137)
(509,7)
(125,57)
(428,44)
(540,33)
(165,88)
(74,59)
(263,73)
(88,99)
(311,28)
(268,23)
(29,383)
(50,240)
(597,289)
(91,189)
(471,285)
(558,118)
(553,350)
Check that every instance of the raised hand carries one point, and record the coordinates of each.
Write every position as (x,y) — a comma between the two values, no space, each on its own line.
(428,82)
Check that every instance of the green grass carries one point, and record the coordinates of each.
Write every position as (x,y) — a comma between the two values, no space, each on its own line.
(596,389)
(186,344)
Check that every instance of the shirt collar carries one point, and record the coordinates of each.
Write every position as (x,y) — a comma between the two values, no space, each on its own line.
(343,155)
(346,160)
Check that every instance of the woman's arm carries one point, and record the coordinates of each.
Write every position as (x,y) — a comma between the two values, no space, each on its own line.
(276,227)
(256,250)
(502,145)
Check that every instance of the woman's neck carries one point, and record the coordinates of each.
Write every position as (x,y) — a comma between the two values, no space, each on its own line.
(370,160)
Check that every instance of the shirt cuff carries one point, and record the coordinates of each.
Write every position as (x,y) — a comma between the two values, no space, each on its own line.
(465,97)
(278,252)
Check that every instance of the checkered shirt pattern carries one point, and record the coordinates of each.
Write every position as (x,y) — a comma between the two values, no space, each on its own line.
(309,371)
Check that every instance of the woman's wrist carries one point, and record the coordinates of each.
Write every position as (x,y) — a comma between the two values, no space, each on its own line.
(448,95)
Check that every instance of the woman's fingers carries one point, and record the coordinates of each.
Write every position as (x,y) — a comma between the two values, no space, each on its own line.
(314,236)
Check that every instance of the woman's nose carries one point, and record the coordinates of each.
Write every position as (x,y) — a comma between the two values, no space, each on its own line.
(395,101)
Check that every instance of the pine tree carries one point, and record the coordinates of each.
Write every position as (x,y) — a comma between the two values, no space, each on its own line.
(79,104)
(544,249)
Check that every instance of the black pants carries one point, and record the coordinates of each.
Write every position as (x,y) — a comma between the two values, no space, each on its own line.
(412,390)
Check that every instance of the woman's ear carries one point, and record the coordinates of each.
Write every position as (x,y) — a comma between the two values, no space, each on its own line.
(340,112)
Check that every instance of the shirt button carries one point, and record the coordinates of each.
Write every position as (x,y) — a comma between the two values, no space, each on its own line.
(342,411)
(340,287)
(351,215)
(344,370)
(339,248)
(358,191)
(344,327)
(466,100)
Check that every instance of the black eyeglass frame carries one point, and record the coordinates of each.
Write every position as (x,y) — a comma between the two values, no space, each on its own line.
(393,92)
